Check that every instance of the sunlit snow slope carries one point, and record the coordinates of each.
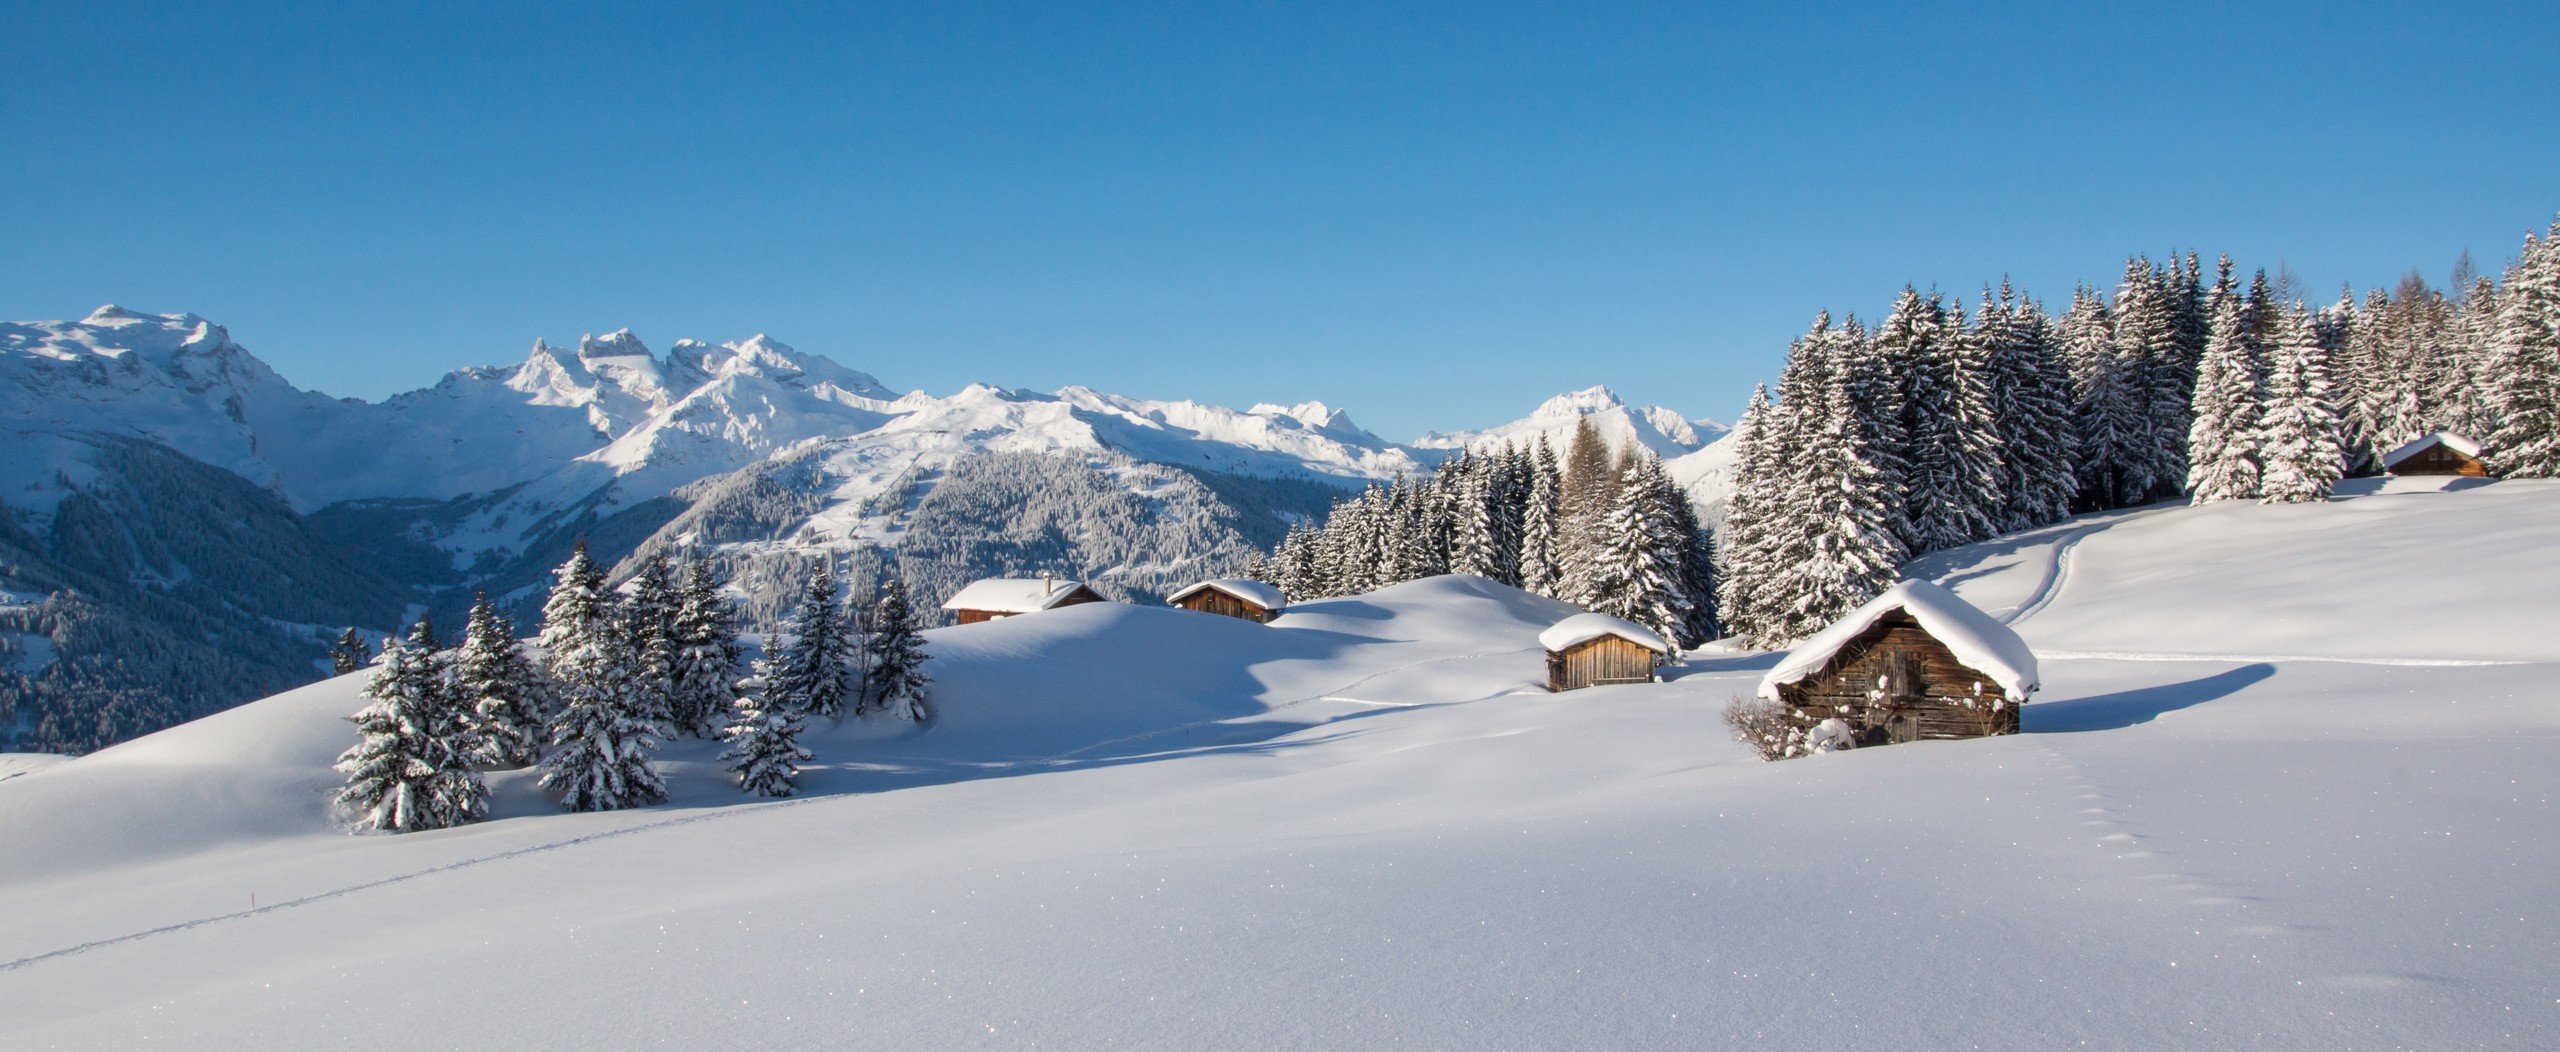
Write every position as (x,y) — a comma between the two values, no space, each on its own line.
(2305,801)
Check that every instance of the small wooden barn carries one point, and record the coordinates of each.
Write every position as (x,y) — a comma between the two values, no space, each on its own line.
(1591,650)
(997,597)
(2442,453)
(1916,662)
(1235,597)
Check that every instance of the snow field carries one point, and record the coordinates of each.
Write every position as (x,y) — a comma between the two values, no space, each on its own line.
(1365,827)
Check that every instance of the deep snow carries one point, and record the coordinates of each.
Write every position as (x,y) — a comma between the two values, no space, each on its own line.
(2307,803)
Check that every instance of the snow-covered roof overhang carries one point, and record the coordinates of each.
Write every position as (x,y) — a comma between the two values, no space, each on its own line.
(2420,444)
(1266,596)
(1011,595)
(1981,643)
(1583,628)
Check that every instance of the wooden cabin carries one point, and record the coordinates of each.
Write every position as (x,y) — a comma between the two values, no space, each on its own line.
(1235,597)
(2442,453)
(998,597)
(1915,663)
(1591,650)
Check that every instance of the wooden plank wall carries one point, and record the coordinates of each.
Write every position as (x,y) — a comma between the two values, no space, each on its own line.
(1926,692)
(1213,601)
(1607,659)
(2442,461)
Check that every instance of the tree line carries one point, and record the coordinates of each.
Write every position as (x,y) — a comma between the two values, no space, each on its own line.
(613,674)
(1933,429)
(1607,529)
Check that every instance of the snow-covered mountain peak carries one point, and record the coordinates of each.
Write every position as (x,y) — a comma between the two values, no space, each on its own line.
(620,343)
(1573,404)
(1668,434)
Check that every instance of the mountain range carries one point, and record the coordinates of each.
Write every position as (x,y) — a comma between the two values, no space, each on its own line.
(184,527)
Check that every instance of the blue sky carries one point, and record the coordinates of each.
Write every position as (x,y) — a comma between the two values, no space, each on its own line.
(1434,216)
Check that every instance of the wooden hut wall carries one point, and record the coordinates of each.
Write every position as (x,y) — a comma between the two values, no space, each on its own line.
(1927,692)
(1213,601)
(1592,663)
(2440,460)
(971,617)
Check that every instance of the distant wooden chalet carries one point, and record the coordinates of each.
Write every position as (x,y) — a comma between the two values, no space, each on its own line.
(1915,663)
(997,597)
(1235,597)
(2442,453)
(1590,650)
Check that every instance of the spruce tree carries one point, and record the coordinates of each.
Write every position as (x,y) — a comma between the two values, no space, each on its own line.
(702,684)
(411,769)
(813,674)
(2298,432)
(1953,472)
(1750,516)
(576,610)
(764,746)
(896,648)
(2524,395)
(646,617)
(1541,570)
(350,653)
(2222,444)
(1637,574)
(1853,552)
(503,692)
(2031,406)
(2106,410)
(602,737)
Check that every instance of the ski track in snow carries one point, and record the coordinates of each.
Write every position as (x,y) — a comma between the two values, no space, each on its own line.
(726,811)
(468,863)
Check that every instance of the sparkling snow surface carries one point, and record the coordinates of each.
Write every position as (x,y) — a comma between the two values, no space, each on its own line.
(2304,801)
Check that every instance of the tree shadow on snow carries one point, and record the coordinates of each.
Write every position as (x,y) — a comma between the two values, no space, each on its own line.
(2126,708)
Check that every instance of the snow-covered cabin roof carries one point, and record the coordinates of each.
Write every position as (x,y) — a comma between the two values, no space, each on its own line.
(1266,596)
(1012,595)
(1982,644)
(2418,445)
(1583,628)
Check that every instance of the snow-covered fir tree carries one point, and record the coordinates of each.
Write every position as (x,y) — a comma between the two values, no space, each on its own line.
(1853,551)
(646,618)
(1540,569)
(576,610)
(2222,444)
(702,683)
(764,746)
(505,695)
(812,673)
(1744,564)
(2106,405)
(2298,433)
(603,732)
(2031,405)
(1952,473)
(411,768)
(2524,393)
(897,680)
(1637,572)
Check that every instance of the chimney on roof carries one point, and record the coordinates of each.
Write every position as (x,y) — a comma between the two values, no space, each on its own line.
(1048,584)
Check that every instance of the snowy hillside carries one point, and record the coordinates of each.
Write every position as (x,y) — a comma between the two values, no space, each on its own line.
(2285,787)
